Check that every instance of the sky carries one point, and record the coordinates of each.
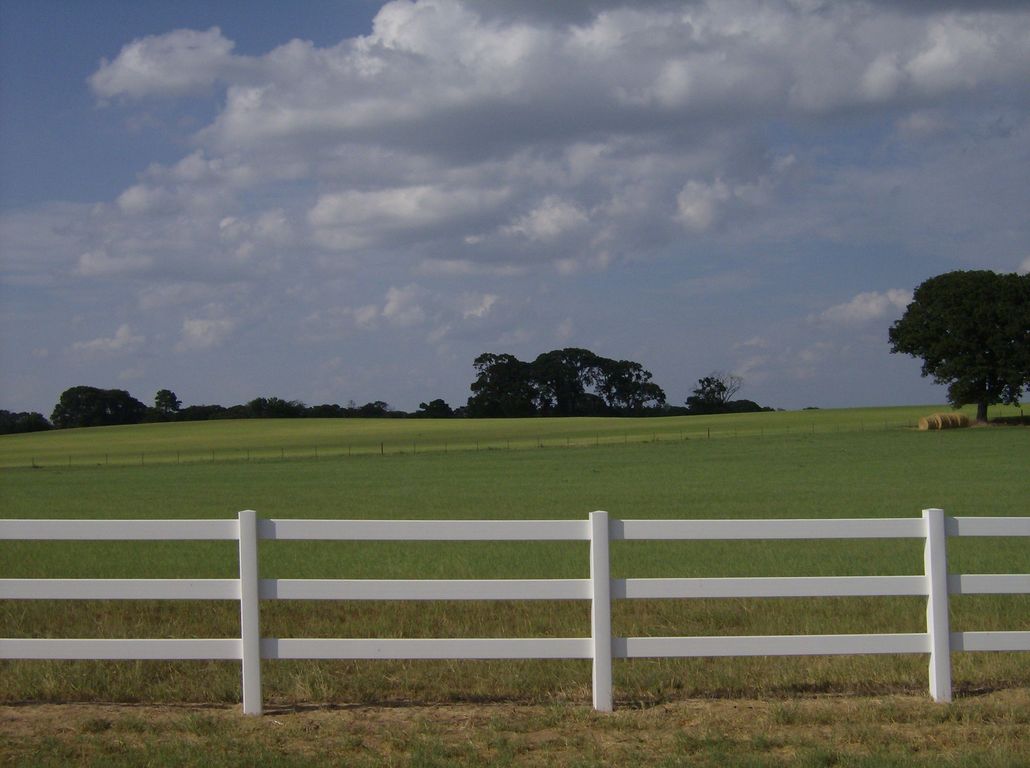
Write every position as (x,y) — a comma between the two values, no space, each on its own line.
(329,201)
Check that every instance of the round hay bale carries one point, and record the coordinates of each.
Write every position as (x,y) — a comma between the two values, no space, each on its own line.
(938,421)
(954,420)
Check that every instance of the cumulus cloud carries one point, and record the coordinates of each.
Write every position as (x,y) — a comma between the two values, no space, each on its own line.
(697,204)
(200,333)
(868,306)
(357,218)
(476,136)
(101,264)
(549,220)
(123,341)
(178,62)
(427,177)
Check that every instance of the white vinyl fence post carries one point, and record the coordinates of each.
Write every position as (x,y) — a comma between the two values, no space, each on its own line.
(250,624)
(935,560)
(601,611)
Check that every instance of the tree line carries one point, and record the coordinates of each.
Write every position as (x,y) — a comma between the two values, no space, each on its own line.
(564,382)
(971,329)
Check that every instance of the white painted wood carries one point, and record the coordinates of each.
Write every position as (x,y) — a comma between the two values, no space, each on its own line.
(990,641)
(118,530)
(871,528)
(374,589)
(768,645)
(250,602)
(989,583)
(935,559)
(189,649)
(601,648)
(988,526)
(427,648)
(426,530)
(119,589)
(789,586)
(601,611)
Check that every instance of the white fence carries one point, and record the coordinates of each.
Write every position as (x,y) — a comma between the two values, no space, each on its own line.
(600,589)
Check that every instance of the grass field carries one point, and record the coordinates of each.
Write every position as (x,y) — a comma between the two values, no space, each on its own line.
(811,464)
(311,439)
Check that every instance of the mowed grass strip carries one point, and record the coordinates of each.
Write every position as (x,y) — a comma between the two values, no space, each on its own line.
(803,474)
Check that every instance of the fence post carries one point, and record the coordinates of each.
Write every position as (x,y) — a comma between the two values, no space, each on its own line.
(250,625)
(601,611)
(935,559)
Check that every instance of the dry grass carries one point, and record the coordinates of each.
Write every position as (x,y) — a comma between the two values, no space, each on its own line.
(987,730)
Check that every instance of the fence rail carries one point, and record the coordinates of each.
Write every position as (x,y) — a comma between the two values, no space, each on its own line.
(600,589)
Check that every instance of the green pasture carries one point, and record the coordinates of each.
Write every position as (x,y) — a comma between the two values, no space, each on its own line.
(863,463)
(313,439)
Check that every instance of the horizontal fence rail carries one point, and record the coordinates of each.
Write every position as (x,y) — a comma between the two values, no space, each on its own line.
(600,589)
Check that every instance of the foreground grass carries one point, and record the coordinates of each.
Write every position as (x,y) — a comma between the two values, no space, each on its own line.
(989,730)
(813,473)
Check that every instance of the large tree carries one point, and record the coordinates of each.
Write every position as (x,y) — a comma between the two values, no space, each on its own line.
(93,407)
(714,392)
(503,387)
(166,404)
(562,382)
(972,331)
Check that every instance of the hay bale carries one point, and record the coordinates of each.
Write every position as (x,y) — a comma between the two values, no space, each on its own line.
(938,421)
(954,421)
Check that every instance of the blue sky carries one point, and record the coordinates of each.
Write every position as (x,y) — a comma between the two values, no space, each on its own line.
(334,201)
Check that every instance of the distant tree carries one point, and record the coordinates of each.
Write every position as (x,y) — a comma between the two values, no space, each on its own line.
(325,411)
(627,387)
(374,410)
(714,392)
(562,382)
(503,387)
(972,331)
(274,408)
(166,403)
(22,422)
(435,409)
(92,407)
(563,378)
(202,413)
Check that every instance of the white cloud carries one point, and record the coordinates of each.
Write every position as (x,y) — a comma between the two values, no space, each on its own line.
(1024,268)
(553,218)
(356,219)
(755,342)
(698,204)
(141,198)
(366,316)
(868,306)
(123,341)
(204,333)
(565,331)
(883,78)
(478,307)
(177,62)
(403,306)
(100,264)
